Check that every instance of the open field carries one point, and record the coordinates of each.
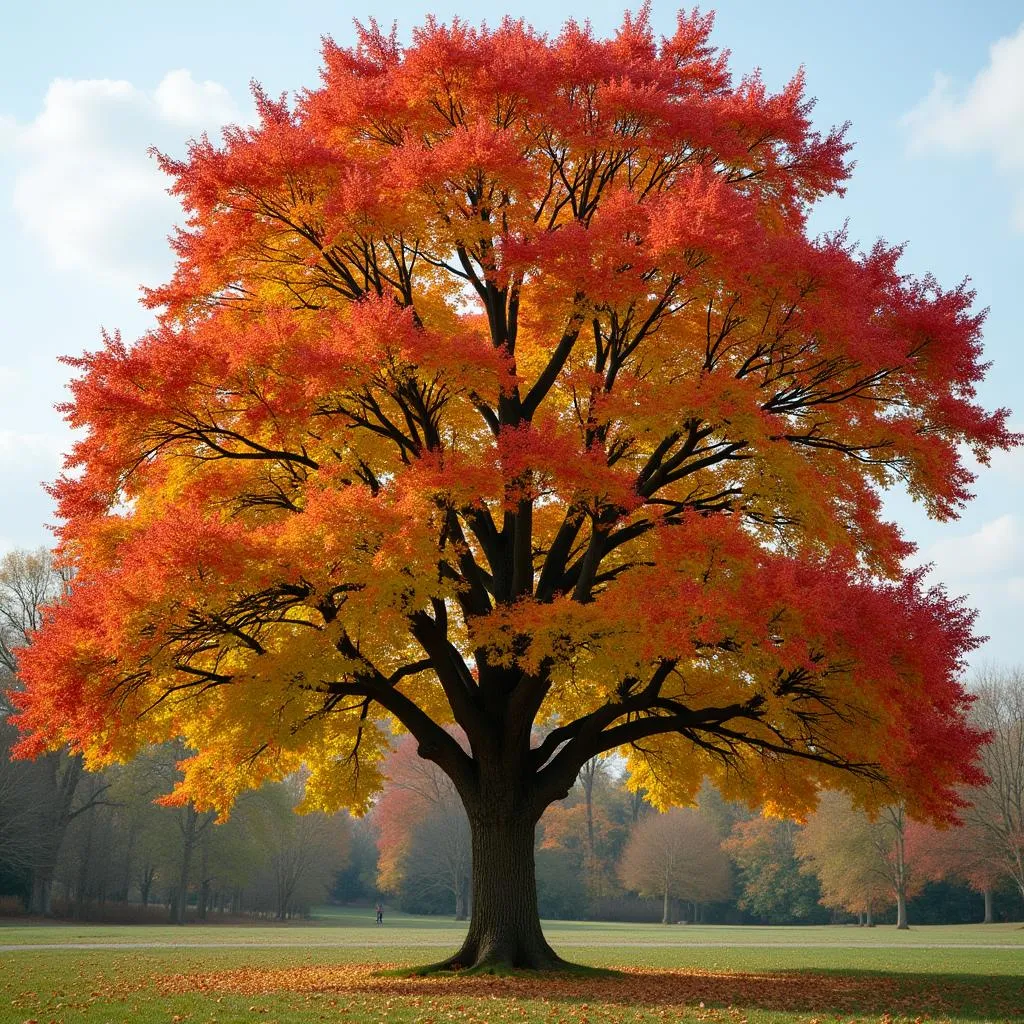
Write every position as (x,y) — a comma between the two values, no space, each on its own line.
(325,971)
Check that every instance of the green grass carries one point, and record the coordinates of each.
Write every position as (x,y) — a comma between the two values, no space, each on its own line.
(347,926)
(324,971)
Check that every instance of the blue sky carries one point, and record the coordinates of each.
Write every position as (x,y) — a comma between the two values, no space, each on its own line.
(934,91)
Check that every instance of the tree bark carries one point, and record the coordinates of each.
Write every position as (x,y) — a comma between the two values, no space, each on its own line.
(989,917)
(505,927)
(587,775)
(181,896)
(146,883)
(899,823)
(901,911)
(204,884)
(460,900)
(42,893)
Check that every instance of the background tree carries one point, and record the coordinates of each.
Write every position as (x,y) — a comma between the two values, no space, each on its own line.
(997,808)
(190,824)
(770,883)
(722,813)
(423,834)
(357,880)
(150,834)
(500,382)
(890,834)
(438,871)
(836,845)
(589,837)
(561,888)
(304,850)
(30,580)
(966,853)
(590,827)
(22,817)
(861,863)
(676,855)
(593,776)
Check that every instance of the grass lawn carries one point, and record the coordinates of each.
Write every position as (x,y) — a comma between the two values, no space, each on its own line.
(326,971)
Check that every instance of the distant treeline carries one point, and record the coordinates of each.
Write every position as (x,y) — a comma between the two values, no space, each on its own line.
(106,845)
(604,853)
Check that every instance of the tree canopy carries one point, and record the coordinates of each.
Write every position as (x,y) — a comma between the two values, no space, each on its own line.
(500,382)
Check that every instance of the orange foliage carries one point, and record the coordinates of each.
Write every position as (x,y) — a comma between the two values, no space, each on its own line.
(565,828)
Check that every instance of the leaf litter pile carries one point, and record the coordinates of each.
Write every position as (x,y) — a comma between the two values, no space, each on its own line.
(635,994)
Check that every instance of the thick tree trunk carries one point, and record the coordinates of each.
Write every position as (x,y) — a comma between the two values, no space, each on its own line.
(989,918)
(504,930)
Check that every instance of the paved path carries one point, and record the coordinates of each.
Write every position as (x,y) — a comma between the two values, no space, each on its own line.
(437,944)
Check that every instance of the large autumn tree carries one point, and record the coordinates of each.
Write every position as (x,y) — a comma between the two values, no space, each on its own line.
(500,382)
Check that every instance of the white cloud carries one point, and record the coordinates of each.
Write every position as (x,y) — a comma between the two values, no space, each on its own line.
(987,117)
(85,187)
(28,450)
(986,567)
(1011,463)
(180,98)
(995,551)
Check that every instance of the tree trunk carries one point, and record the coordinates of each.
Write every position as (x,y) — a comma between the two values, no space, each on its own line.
(869,921)
(588,774)
(989,918)
(505,927)
(42,893)
(636,804)
(899,822)
(204,884)
(129,856)
(146,883)
(901,911)
(181,897)
(666,908)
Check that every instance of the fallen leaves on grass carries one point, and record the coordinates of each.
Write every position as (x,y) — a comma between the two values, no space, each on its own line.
(710,995)
(359,992)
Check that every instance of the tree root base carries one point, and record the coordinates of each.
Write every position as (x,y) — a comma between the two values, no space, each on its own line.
(454,968)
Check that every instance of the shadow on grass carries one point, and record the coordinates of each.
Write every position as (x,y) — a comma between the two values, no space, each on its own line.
(816,992)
